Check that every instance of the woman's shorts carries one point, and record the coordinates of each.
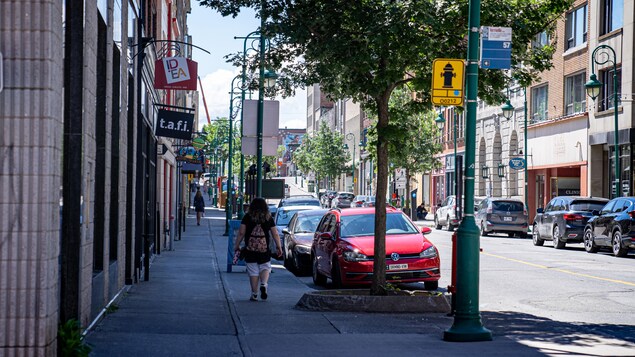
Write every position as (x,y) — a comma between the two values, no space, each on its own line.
(254,269)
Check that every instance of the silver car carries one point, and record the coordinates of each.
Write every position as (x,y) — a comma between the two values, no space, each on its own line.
(342,200)
(445,214)
(502,215)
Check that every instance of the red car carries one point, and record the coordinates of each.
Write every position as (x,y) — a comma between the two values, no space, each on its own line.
(343,247)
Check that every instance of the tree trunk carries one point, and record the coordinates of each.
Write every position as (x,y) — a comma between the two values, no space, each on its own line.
(378,286)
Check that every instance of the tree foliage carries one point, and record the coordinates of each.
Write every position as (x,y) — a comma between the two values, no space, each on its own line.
(322,154)
(366,49)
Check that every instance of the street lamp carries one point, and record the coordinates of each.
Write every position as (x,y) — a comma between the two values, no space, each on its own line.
(508,112)
(467,325)
(604,54)
(233,113)
(351,137)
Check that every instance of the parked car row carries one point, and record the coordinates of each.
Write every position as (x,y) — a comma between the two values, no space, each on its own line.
(339,245)
(595,221)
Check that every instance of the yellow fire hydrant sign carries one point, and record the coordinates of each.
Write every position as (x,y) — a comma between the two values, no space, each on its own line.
(448,82)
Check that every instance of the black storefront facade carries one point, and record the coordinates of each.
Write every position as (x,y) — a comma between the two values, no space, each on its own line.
(602,158)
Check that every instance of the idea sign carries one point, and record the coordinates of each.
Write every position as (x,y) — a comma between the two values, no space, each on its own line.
(175,73)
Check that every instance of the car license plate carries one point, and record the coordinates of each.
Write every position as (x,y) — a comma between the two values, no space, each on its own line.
(507,219)
(397,266)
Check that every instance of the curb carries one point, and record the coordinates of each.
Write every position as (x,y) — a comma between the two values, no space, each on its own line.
(360,301)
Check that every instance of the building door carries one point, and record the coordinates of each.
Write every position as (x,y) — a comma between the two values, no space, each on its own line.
(540,191)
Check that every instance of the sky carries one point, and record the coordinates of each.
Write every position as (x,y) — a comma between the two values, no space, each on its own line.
(215,33)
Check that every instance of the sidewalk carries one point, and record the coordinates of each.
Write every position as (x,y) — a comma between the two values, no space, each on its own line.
(192,306)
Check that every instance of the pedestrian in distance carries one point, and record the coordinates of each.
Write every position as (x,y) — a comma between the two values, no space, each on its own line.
(422,212)
(209,191)
(257,228)
(199,206)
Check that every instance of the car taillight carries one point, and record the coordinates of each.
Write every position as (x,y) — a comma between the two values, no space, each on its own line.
(632,214)
(572,217)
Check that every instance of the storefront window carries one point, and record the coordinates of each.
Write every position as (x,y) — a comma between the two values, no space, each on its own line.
(626,159)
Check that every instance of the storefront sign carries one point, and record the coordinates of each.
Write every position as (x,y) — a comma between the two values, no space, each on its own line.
(517,163)
(173,124)
(175,73)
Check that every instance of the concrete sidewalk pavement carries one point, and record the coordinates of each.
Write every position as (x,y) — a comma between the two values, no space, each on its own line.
(192,306)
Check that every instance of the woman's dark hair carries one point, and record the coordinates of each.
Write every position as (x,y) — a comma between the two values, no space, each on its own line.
(259,210)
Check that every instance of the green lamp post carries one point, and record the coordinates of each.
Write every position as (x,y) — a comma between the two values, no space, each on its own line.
(508,111)
(235,105)
(351,137)
(467,324)
(604,54)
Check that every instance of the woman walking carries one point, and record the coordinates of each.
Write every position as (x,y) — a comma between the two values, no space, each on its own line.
(199,206)
(258,228)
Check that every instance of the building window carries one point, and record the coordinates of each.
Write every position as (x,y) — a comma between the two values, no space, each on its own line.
(606,94)
(540,40)
(539,111)
(574,94)
(612,15)
(576,27)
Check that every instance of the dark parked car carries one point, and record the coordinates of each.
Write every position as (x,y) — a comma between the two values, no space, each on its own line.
(612,227)
(564,218)
(342,200)
(343,248)
(298,237)
(502,215)
(299,200)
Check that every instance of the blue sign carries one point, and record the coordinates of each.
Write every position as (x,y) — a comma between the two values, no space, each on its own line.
(517,163)
(496,47)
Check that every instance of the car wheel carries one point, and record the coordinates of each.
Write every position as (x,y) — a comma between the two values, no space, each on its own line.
(536,237)
(589,244)
(436,222)
(483,231)
(557,243)
(318,278)
(618,250)
(449,227)
(297,266)
(431,285)
(336,274)
(287,260)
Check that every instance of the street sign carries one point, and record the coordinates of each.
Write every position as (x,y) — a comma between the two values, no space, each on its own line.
(496,47)
(517,163)
(448,79)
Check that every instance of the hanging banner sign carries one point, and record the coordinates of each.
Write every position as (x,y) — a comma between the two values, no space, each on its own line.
(517,163)
(175,73)
(171,124)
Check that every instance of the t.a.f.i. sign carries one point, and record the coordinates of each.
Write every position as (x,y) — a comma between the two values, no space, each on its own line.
(448,82)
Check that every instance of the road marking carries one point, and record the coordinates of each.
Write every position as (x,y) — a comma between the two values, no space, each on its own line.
(560,270)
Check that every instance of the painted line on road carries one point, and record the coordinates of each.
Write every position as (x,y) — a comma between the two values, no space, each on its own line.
(560,270)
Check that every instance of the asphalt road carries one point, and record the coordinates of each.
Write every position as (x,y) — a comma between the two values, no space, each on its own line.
(567,285)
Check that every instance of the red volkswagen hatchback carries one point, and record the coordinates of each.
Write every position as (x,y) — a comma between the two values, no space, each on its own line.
(343,248)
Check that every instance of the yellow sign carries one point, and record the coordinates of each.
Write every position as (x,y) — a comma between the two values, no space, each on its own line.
(448,78)
(190,177)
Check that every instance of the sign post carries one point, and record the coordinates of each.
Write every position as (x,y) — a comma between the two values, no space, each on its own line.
(496,47)
(448,82)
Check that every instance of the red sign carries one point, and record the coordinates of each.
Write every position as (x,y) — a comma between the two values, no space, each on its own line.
(175,73)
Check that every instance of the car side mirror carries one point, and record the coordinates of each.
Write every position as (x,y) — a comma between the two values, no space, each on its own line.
(540,210)
(426,230)
(595,212)
(438,205)
(326,236)
(285,231)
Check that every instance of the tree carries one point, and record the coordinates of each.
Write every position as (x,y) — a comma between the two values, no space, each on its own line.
(322,154)
(413,136)
(365,49)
